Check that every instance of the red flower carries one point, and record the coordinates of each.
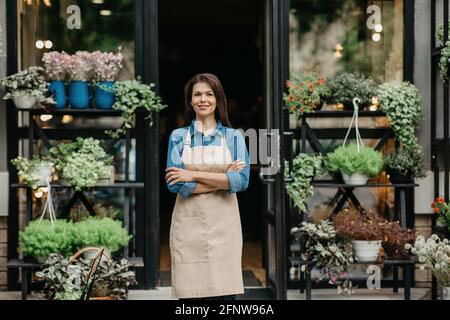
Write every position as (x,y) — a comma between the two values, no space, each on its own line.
(440,200)
(288,84)
(436,210)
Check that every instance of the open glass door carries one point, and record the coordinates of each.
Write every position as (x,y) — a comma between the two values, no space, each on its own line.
(276,72)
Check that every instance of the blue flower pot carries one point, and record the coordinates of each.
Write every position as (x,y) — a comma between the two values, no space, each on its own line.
(105,98)
(80,94)
(58,89)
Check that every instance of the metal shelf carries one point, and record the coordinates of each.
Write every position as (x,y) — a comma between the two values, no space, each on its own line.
(343,114)
(333,184)
(77,112)
(120,185)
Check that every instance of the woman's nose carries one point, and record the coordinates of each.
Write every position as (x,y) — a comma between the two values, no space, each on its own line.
(203,98)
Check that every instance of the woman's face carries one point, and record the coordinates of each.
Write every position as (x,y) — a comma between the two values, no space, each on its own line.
(203,100)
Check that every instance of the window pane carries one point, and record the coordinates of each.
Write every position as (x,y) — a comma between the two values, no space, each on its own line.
(342,35)
(105,26)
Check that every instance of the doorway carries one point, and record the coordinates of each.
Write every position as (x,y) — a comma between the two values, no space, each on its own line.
(224,38)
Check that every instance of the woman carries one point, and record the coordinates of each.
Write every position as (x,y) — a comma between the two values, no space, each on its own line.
(207,163)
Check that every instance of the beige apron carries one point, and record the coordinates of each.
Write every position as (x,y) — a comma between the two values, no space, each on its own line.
(205,233)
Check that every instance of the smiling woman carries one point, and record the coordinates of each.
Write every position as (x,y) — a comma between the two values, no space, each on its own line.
(207,164)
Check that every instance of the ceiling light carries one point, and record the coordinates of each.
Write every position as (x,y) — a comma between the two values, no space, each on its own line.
(376,37)
(105,13)
(40,44)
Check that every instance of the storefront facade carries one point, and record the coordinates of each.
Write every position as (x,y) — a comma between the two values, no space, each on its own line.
(254,46)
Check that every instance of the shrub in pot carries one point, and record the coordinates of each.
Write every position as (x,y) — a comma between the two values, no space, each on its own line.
(306,93)
(101,232)
(356,164)
(366,230)
(27,88)
(34,172)
(65,279)
(345,86)
(83,162)
(404,165)
(43,237)
(395,239)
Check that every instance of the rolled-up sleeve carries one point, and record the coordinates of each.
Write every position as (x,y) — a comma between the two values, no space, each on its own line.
(239,180)
(174,160)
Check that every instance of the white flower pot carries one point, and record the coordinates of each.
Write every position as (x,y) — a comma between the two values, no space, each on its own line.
(366,251)
(355,179)
(45,172)
(24,102)
(107,180)
(445,293)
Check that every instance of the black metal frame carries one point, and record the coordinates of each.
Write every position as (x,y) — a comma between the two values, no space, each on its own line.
(147,195)
(438,145)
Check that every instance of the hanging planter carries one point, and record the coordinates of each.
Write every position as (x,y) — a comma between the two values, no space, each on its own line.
(356,162)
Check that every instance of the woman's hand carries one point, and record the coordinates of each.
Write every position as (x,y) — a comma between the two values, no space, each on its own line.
(175,175)
(237,166)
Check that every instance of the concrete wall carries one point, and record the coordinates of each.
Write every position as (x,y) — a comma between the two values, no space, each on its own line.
(4,185)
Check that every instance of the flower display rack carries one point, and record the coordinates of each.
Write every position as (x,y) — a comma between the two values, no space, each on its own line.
(404,193)
(32,133)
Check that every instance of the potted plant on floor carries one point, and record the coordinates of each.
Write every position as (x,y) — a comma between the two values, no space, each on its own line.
(44,237)
(131,96)
(305,167)
(28,88)
(345,86)
(306,93)
(433,254)
(356,163)
(327,250)
(366,231)
(34,172)
(65,279)
(101,232)
(404,164)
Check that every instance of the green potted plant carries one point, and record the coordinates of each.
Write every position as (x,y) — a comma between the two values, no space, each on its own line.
(365,230)
(356,163)
(43,237)
(27,88)
(327,250)
(34,172)
(345,86)
(83,163)
(445,52)
(131,96)
(305,93)
(305,167)
(404,165)
(403,106)
(104,232)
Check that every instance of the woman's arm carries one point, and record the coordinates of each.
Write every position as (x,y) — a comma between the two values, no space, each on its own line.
(204,188)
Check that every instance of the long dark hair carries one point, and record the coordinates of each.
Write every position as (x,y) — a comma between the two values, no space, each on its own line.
(221,112)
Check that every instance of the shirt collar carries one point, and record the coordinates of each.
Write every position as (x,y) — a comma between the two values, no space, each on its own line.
(193,128)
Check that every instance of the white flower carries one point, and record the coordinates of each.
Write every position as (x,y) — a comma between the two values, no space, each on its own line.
(437,266)
(408,246)
(422,259)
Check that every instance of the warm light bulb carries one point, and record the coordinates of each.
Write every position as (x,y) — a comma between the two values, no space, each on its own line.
(105,13)
(376,37)
(98,1)
(40,44)
(48,44)
(378,28)
(67,119)
(46,117)
(39,194)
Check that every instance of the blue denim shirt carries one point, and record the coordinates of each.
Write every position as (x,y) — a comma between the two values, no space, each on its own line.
(236,145)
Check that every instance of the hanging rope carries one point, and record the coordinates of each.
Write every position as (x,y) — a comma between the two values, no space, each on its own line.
(359,142)
(48,208)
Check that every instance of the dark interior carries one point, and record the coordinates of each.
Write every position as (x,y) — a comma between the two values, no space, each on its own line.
(223,38)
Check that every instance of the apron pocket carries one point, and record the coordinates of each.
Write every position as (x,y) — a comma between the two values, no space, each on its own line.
(189,239)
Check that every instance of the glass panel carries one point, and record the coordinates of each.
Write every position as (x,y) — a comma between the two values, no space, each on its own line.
(339,35)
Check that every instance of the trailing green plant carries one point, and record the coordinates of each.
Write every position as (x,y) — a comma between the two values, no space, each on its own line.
(104,232)
(82,162)
(305,93)
(65,279)
(42,237)
(345,86)
(132,95)
(27,169)
(305,167)
(31,81)
(327,250)
(406,161)
(403,106)
(347,159)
